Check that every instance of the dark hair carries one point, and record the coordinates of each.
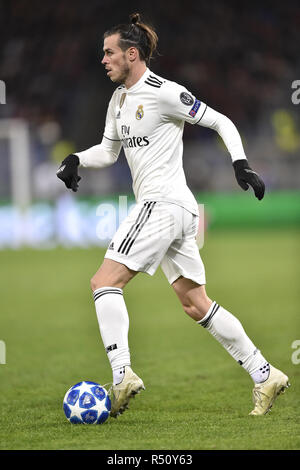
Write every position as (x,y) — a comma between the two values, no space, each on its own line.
(136,34)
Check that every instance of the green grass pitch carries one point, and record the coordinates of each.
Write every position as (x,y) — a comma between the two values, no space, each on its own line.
(196,396)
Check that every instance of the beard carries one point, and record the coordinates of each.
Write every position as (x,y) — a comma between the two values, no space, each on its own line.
(123,74)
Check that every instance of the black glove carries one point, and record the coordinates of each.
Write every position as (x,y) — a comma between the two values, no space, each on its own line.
(68,172)
(246,176)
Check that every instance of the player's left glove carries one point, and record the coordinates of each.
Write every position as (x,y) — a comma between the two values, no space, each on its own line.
(68,172)
(245,176)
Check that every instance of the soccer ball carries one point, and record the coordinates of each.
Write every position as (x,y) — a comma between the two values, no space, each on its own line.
(87,402)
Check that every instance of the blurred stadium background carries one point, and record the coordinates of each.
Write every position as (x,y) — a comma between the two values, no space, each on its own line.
(241,59)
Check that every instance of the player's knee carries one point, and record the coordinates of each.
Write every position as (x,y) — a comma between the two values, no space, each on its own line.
(100,280)
(111,274)
(195,312)
(93,283)
(97,282)
(196,306)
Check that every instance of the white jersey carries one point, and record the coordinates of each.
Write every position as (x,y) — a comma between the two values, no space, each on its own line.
(148,119)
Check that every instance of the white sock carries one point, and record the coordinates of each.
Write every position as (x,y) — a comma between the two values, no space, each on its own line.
(261,374)
(113,322)
(118,375)
(228,330)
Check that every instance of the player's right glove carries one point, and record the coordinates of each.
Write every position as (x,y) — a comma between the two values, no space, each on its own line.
(68,172)
(245,176)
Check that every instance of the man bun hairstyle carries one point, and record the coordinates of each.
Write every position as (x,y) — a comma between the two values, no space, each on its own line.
(136,34)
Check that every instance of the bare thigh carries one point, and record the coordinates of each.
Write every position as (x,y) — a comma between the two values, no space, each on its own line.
(111,274)
(193,297)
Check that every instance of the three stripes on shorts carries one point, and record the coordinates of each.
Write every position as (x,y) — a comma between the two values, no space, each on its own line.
(132,235)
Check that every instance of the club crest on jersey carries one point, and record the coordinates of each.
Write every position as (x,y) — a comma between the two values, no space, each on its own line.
(139,113)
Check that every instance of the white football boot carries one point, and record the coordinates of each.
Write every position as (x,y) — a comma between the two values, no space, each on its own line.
(265,393)
(120,394)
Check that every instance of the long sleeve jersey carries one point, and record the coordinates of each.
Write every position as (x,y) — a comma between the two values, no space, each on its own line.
(148,120)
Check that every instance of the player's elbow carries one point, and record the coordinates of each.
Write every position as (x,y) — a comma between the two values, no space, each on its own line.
(224,125)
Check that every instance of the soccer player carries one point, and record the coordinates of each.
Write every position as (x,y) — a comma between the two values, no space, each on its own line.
(146,115)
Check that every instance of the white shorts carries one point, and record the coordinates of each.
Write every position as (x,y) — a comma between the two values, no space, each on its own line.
(159,233)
